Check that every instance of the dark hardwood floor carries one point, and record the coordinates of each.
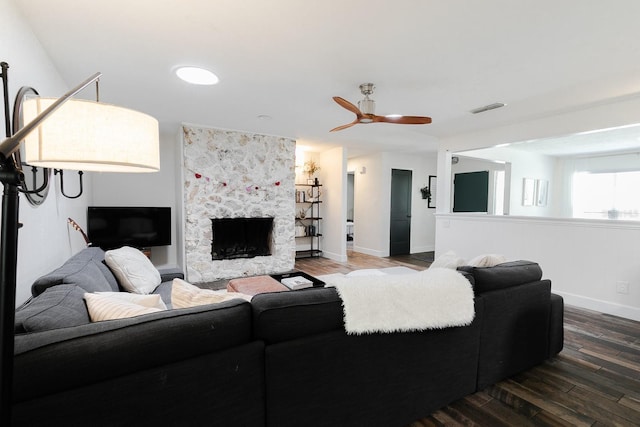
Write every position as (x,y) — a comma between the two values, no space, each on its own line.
(594,381)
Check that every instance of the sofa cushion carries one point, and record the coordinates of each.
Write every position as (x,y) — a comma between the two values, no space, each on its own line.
(60,306)
(109,307)
(184,295)
(448,259)
(503,275)
(134,271)
(69,356)
(488,260)
(284,316)
(84,269)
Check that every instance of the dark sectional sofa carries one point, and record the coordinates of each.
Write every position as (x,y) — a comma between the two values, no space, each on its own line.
(282,360)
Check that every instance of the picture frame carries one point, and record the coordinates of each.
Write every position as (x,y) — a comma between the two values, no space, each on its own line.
(433,185)
(542,189)
(528,191)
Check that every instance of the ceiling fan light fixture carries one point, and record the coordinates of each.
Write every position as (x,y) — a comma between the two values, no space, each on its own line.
(367,106)
(197,76)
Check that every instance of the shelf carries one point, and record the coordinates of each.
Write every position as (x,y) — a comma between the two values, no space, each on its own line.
(304,237)
(309,253)
(308,203)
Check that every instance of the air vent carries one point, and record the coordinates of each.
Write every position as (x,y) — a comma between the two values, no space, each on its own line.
(488,107)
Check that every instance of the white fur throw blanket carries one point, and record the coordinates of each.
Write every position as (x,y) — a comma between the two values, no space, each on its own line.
(431,299)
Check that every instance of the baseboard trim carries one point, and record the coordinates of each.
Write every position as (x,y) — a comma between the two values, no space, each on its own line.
(420,249)
(367,251)
(334,256)
(607,307)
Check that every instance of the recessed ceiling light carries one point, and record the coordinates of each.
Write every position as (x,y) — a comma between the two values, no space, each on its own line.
(197,76)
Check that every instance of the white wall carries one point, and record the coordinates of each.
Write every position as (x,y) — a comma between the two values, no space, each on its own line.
(372,200)
(583,259)
(333,177)
(46,240)
(148,189)
(524,165)
(371,205)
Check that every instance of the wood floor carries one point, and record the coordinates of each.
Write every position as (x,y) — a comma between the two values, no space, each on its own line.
(594,381)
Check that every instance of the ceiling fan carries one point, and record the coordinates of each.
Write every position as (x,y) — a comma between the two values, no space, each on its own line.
(365,111)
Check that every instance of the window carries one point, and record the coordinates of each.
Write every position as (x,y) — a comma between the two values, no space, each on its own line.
(613,195)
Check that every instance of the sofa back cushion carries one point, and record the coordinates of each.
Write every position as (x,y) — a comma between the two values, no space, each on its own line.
(503,275)
(59,306)
(85,269)
(87,354)
(283,316)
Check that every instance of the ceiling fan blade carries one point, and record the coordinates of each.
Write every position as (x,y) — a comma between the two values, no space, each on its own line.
(348,125)
(403,120)
(349,106)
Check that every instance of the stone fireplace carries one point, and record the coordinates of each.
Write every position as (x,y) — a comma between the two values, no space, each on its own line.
(237,175)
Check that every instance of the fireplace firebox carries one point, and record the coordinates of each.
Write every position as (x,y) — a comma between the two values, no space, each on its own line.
(241,237)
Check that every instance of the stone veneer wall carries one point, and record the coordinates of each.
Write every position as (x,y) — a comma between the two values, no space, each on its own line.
(231,174)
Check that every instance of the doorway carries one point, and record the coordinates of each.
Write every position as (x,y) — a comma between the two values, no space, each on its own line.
(350,206)
(400,226)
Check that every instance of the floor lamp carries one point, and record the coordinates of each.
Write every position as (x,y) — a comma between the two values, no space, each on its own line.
(63,133)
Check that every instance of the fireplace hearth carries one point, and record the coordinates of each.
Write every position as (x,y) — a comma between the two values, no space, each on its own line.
(241,237)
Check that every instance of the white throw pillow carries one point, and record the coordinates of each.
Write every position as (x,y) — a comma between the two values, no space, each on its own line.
(489,260)
(151,300)
(184,295)
(448,259)
(133,269)
(109,307)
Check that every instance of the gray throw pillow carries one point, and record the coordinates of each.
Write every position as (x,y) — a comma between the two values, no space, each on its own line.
(86,269)
(60,306)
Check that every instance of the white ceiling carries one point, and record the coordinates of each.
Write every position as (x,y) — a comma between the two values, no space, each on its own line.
(287,58)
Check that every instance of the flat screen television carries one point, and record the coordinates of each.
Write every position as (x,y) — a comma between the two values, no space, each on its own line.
(110,227)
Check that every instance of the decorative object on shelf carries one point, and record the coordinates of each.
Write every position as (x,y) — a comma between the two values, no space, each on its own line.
(302,214)
(310,168)
(313,196)
(433,186)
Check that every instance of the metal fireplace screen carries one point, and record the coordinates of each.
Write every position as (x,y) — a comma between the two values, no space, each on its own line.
(241,237)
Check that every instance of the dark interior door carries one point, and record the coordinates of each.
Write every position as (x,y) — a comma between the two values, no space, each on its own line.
(471,191)
(400,233)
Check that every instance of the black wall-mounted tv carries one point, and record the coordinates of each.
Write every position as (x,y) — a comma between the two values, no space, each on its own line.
(110,227)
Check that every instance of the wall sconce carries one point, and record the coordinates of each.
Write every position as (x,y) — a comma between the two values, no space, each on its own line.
(63,133)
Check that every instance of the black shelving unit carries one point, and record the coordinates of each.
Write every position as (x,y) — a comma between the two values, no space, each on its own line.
(308,220)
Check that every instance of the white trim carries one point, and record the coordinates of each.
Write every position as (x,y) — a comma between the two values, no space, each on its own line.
(367,251)
(607,307)
(566,222)
(334,256)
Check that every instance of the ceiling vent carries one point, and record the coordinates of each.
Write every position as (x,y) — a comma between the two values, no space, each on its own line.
(488,107)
